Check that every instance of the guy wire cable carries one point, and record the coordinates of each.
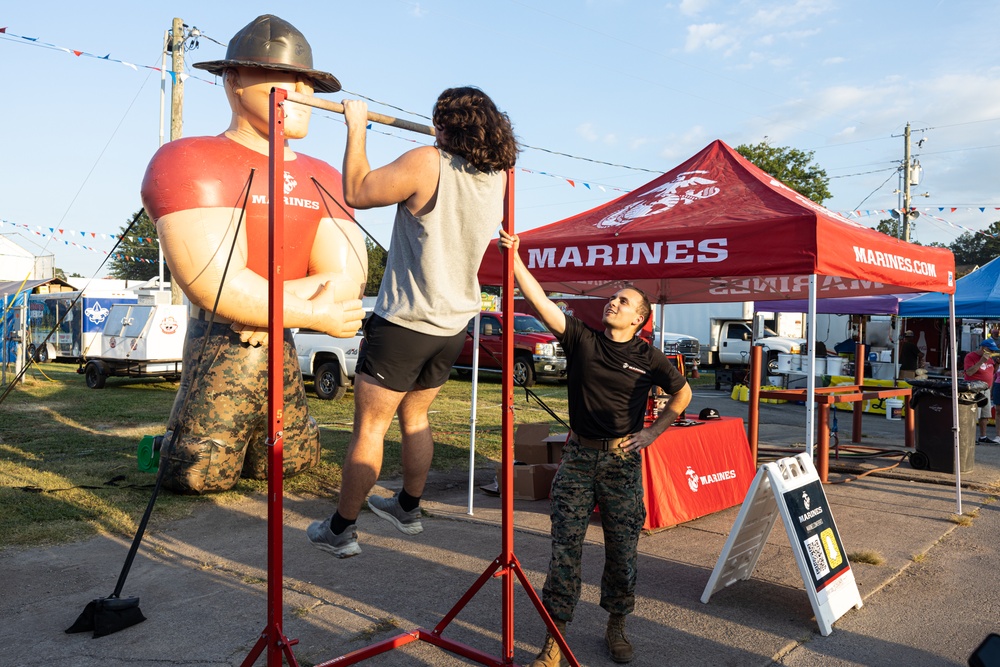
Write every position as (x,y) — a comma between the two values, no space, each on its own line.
(31,360)
(164,445)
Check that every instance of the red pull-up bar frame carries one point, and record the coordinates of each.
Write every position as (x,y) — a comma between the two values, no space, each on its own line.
(505,566)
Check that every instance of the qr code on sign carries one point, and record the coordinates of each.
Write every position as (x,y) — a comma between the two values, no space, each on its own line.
(816,557)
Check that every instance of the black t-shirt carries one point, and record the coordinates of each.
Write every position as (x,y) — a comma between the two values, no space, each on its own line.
(609,382)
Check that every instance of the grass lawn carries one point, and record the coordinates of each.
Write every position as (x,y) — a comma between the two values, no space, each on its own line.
(61,444)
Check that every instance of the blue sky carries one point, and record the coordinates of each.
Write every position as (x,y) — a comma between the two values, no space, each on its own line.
(637,84)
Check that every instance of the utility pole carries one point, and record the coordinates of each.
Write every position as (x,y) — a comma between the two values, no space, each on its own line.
(905,216)
(177,113)
(911,172)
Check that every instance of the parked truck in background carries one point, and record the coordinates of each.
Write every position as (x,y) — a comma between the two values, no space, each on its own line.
(537,353)
(730,343)
(330,362)
(726,332)
(687,346)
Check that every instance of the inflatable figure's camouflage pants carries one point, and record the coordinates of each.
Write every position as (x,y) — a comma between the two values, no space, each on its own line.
(223,430)
(609,480)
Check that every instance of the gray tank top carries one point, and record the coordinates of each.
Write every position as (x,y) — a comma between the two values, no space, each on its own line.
(430,283)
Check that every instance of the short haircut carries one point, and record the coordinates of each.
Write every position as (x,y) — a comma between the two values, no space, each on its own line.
(643,307)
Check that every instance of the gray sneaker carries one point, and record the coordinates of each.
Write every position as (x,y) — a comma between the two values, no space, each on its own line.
(344,545)
(389,509)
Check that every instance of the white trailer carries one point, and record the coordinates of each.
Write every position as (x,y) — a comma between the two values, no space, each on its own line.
(139,340)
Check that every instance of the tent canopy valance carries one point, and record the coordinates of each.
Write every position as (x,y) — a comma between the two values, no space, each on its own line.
(977,296)
(716,228)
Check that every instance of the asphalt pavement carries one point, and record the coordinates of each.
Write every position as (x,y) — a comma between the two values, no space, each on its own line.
(202,580)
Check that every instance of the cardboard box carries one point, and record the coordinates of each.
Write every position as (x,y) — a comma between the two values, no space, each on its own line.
(533,444)
(529,443)
(532,481)
(555,443)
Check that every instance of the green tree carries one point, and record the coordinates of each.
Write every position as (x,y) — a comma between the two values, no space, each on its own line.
(791,166)
(140,242)
(889,227)
(376,266)
(972,248)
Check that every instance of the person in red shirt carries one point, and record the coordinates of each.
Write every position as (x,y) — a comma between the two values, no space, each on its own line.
(209,199)
(979,366)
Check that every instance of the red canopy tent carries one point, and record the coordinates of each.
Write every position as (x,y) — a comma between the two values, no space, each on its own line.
(717,228)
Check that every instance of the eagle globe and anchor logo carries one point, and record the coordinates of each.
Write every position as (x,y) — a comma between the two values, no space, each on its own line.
(692,479)
(695,480)
(664,197)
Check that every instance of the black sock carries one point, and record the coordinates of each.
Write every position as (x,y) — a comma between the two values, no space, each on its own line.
(407,502)
(338,523)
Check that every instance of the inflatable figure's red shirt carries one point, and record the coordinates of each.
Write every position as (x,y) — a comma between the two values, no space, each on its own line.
(201,172)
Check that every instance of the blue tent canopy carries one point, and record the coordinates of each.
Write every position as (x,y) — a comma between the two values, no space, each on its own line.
(977,295)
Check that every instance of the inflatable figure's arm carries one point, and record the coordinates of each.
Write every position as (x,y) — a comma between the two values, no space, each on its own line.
(339,258)
(339,262)
(196,245)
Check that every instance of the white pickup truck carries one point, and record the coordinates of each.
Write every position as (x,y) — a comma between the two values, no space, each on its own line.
(731,341)
(329,361)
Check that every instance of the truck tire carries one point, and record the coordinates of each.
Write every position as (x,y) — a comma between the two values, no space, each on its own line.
(772,363)
(95,374)
(524,370)
(329,381)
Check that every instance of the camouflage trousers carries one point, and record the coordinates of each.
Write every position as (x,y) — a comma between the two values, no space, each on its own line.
(220,414)
(612,481)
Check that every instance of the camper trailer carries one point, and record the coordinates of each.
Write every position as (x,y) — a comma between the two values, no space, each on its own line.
(67,326)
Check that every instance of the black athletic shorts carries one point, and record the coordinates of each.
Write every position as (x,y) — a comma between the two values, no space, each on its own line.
(402,359)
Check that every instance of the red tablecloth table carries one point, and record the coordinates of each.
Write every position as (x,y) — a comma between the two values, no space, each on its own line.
(692,471)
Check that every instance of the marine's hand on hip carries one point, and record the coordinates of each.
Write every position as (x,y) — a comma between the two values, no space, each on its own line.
(638,441)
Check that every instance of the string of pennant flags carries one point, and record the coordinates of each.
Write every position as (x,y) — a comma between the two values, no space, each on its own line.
(174,76)
(59,235)
(573,182)
(182,76)
(67,236)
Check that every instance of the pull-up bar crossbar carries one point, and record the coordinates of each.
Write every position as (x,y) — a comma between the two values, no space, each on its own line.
(382,119)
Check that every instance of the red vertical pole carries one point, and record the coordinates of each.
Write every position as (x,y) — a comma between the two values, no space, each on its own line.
(753,400)
(507,429)
(275,373)
(823,451)
(910,423)
(859,379)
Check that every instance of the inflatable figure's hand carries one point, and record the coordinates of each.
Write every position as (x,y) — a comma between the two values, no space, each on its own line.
(250,335)
(339,318)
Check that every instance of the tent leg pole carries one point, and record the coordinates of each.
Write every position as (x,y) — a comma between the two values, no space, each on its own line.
(954,404)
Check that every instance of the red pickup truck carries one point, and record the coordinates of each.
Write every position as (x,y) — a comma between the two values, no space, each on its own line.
(537,353)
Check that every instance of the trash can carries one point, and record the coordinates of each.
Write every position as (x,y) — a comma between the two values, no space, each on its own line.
(934,443)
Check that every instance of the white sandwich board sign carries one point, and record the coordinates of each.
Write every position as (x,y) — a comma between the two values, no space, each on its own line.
(791,488)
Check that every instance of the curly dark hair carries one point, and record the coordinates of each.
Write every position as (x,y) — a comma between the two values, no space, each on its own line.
(469,124)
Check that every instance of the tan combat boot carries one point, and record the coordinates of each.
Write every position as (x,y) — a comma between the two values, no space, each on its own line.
(618,644)
(551,656)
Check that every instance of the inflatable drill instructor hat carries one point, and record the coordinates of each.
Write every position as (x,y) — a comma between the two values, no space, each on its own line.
(269,42)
